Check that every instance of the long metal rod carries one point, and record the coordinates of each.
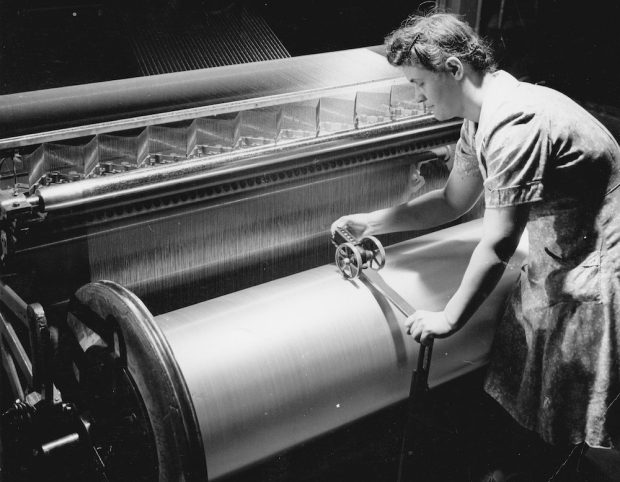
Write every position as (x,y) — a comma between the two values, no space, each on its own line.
(14,303)
(69,112)
(418,392)
(172,116)
(17,350)
(178,177)
(9,367)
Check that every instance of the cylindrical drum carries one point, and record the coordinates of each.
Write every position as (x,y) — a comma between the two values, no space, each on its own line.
(274,365)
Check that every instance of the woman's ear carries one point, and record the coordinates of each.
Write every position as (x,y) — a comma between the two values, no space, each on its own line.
(455,67)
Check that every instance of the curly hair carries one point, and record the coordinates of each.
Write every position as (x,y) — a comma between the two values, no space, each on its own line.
(428,40)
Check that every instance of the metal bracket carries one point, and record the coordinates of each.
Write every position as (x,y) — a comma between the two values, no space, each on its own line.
(41,343)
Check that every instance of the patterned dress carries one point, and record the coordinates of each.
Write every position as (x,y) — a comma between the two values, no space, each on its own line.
(555,362)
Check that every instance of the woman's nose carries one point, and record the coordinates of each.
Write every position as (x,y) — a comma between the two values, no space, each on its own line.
(420,97)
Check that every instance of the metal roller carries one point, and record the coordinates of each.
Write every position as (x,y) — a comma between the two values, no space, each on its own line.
(181,188)
(234,380)
(181,95)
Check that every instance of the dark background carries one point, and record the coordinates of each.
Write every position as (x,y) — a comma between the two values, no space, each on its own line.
(49,43)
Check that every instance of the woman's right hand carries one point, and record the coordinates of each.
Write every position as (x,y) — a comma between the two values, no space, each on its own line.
(357,224)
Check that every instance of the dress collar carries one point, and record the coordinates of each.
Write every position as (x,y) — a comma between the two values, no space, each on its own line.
(501,83)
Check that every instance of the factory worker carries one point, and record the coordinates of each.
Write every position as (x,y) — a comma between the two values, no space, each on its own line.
(542,162)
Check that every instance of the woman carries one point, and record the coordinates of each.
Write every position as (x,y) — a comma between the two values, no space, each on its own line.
(543,162)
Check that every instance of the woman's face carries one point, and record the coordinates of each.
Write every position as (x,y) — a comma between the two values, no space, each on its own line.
(439,90)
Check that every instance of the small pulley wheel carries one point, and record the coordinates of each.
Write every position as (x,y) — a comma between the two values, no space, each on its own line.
(349,260)
(371,244)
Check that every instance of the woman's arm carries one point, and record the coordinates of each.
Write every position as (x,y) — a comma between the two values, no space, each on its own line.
(503,228)
(434,208)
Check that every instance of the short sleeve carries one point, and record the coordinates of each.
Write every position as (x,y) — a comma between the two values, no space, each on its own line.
(515,153)
(465,159)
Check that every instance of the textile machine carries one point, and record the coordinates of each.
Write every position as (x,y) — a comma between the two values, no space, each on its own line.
(170,306)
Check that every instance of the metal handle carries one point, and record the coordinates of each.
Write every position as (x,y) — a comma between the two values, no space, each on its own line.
(417,394)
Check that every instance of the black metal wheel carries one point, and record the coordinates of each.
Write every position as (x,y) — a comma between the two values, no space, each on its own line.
(142,423)
(349,260)
(376,256)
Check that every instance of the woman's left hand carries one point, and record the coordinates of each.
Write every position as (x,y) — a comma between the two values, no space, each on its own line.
(423,326)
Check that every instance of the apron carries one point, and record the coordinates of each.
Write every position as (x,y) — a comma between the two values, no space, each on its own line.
(555,360)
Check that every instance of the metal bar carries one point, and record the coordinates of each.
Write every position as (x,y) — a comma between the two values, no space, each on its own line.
(60,443)
(179,176)
(67,109)
(11,372)
(41,344)
(174,116)
(17,350)
(478,15)
(500,15)
(418,393)
(14,303)
(377,282)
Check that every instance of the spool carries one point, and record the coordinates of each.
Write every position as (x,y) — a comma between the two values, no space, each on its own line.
(237,379)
